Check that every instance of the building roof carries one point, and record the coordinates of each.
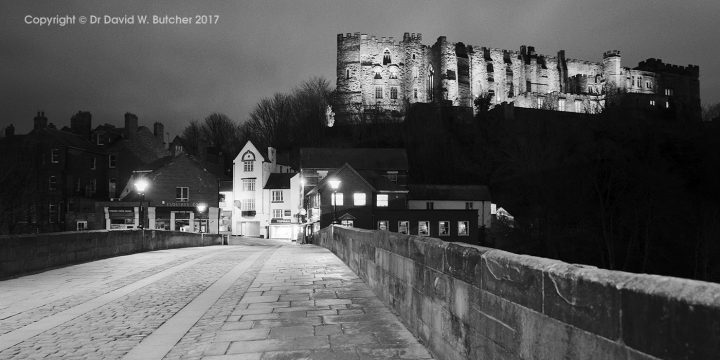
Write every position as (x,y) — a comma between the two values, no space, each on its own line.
(449,192)
(144,145)
(380,182)
(279,181)
(359,158)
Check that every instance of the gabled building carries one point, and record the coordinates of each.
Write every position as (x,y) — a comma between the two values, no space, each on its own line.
(181,196)
(453,197)
(282,189)
(252,213)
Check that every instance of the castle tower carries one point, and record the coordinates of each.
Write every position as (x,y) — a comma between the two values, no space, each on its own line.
(416,68)
(612,69)
(349,74)
(448,70)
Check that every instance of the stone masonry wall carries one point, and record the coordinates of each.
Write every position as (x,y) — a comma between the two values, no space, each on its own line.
(21,254)
(470,302)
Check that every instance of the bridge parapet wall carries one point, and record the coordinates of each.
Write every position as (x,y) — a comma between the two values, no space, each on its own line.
(22,254)
(471,302)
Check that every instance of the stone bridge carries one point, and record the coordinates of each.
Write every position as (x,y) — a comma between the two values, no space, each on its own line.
(358,295)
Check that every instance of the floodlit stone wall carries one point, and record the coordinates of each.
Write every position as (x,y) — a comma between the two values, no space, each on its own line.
(21,254)
(470,302)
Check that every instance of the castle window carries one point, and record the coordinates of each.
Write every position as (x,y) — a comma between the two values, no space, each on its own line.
(415,93)
(647,85)
(667,104)
(393,73)
(378,73)
(393,93)
(668,92)
(347,73)
(378,92)
(652,102)
(561,104)
(639,81)
(633,81)
(386,57)
(491,95)
(490,72)
(430,84)
(413,56)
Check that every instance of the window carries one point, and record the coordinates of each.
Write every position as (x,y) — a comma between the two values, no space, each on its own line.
(393,93)
(490,72)
(248,204)
(404,227)
(540,102)
(287,213)
(378,72)
(93,163)
(386,57)
(277,213)
(429,205)
(112,158)
(98,139)
(52,183)
(647,85)
(382,225)
(561,104)
(578,106)
(430,83)
(112,185)
(93,186)
(52,213)
(347,73)
(652,102)
(415,93)
(528,86)
(182,193)
(382,200)
(348,223)
(444,228)
(277,196)
(413,56)
(55,156)
(359,199)
(248,166)
(469,205)
(668,92)
(393,178)
(337,199)
(424,228)
(633,81)
(667,104)
(463,229)
(378,92)
(639,81)
(81,225)
(393,73)
(248,184)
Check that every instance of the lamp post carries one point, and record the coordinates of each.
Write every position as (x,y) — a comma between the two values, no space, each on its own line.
(140,186)
(334,184)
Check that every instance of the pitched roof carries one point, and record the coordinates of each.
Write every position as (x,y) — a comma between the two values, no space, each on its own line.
(449,192)
(278,181)
(359,158)
(380,182)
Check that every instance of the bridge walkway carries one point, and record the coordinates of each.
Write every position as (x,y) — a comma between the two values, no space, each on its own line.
(263,299)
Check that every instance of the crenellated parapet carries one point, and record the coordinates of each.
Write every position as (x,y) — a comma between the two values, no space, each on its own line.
(657,65)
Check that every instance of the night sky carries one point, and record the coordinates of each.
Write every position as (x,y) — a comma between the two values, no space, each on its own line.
(177,73)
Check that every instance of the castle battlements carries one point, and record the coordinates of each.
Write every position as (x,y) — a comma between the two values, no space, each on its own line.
(657,65)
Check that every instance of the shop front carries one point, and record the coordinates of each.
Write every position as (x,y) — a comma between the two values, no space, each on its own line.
(172,217)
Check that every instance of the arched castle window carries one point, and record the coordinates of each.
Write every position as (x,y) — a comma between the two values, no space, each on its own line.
(378,72)
(386,57)
(393,93)
(347,73)
(490,72)
(393,72)
(413,56)
(430,84)
(378,92)
(415,93)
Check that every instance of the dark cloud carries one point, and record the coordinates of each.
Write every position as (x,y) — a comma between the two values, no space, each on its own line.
(177,73)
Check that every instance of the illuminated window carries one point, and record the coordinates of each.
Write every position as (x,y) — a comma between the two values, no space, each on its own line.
(444,228)
(248,166)
(667,104)
(277,196)
(382,200)
(561,104)
(404,227)
(277,213)
(668,92)
(81,225)
(393,73)
(378,92)
(382,225)
(248,184)
(248,204)
(347,222)
(463,229)
(652,102)
(55,156)
(424,228)
(359,199)
(386,57)
(182,193)
(393,93)
(336,199)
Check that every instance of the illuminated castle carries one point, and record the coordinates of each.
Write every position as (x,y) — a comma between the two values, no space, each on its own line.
(386,74)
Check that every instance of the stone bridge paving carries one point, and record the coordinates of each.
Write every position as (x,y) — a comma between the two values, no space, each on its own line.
(263,299)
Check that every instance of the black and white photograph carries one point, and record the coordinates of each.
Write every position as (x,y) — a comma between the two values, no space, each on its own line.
(360,180)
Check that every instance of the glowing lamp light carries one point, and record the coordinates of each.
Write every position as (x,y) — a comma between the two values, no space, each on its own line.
(334,183)
(141,185)
(201,207)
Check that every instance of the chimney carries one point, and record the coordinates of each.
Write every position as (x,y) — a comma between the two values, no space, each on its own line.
(131,125)
(271,155)
(81,123)
(10,130)
(40,121)
(159,132)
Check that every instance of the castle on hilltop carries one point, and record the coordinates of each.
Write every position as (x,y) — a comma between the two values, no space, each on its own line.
(385,74)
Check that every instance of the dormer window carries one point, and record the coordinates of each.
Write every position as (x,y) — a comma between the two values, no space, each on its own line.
(386,57)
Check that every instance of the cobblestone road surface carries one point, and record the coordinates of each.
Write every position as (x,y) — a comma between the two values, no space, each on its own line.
(263,299)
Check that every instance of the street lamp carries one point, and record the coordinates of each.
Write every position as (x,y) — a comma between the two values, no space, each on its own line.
(140,186)
(334,185)
(201,207)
